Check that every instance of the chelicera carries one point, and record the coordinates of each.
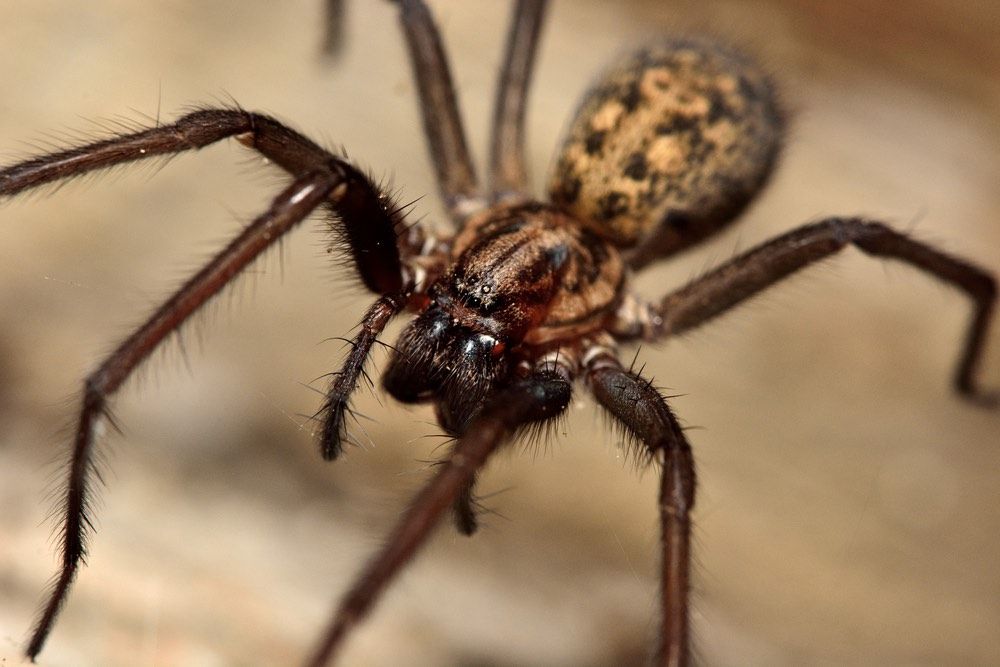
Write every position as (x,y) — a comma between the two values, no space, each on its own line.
(525,296)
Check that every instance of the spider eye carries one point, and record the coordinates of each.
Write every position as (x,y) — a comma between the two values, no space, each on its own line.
(478,345)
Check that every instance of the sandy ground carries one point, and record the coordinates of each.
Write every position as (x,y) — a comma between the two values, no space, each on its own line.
(849,508)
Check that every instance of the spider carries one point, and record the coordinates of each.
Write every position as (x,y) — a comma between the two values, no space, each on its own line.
(477,388)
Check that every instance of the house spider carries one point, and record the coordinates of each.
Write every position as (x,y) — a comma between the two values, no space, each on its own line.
(456,410)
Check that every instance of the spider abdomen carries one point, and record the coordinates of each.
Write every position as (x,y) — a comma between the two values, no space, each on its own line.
(669,145)
(510,254)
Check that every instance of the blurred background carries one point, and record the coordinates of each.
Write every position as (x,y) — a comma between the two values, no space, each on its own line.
(849,504)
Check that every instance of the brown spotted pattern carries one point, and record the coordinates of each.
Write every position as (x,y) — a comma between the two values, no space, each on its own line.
(536,270)
(670,145)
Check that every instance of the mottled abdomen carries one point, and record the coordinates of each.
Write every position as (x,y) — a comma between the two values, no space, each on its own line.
(670,145)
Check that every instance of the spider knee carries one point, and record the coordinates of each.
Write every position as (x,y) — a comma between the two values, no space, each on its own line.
(95,392)
(846,231)
(203,127)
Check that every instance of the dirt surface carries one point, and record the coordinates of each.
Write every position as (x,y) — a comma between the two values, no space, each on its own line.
(849,507)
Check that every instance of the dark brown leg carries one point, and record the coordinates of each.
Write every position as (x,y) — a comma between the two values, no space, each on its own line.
(508,172)
(748,274)
(644,412)
(367,219)
(463,510)
(333,22)
(293,205)
(541,396)
(439,109)
(336,406)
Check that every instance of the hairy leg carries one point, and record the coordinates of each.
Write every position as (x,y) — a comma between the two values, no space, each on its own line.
(336,406)
(508,171)
(293,205)
(456,174)
(644,413)
(750,273)
(538,397)
(368,220)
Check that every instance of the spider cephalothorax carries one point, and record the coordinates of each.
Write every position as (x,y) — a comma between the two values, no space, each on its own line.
(522,278)
(523,297)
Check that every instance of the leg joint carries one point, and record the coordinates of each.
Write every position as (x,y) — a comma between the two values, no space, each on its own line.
(205,126)
(95,391)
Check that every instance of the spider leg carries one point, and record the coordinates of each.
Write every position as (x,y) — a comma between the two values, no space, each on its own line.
(369,221)
(463,510)
(749,273)
(644,413)
(333,24)
(289,208)
(466,508)
(336,405)
(540,396)
(508,172)
(456,174)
